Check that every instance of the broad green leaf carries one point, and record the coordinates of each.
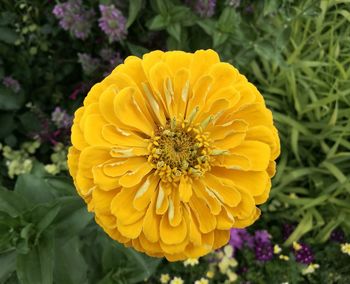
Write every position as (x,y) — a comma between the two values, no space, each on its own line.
(7,264)
(37,265)
(70,266)
(175,31)
(8,35)
(303,227)
(11,202)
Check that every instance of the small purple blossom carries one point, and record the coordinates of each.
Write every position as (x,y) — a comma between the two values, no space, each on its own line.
(74,17)
(262,236)
(112,22)
(240,237)
(11,83)
(111,58)
(61,118)
(304,254)
(88,63)
(338,236)
(205,8)
(263,251)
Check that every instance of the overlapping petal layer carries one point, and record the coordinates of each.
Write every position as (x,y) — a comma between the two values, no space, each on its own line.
(171,151)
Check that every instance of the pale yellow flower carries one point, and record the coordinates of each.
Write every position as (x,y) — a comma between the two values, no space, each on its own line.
(296,246)
(232,276)
(345,248)
(210,274)
(191,262)
(284,257)
(202,281)
(164,278)
(177,280)
(310,268)
(276,249)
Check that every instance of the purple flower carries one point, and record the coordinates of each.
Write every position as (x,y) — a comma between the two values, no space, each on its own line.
(304,254)
(204,8)
(74,17)
(263,251)
(338,236)
(111,58)
(88,63)
(240,237)
(11,83)
(112,23)
(262,236)
(61,118)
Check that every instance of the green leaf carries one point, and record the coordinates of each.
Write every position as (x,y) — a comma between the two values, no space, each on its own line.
(303,227)
(48,218)
(7,124)
(219,38)
(70,266)
(72,218)
(7,264)
(136,50)
(158,23)
(8,35)
(37,265)
(175,31)
(10,100)
(34,189)
(134,9)
(11,202)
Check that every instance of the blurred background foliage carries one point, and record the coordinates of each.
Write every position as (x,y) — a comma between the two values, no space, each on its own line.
(297,52)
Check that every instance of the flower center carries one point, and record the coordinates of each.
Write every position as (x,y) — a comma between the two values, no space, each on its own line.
(179,149)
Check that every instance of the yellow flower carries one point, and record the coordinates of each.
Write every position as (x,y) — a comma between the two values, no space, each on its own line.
(210,274)
(310,268)
(277,249)
(345,248)
(284,257)
(232,276)
(191,262)
(202,281)
(296,246)
(173,150)
(164,278)
(177,280)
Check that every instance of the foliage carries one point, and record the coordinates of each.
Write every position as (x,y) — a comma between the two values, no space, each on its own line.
(295,51)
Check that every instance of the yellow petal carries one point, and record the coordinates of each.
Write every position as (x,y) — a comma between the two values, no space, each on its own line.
(225,220)
(227,194)
(133,178)
(248,94)
(224,74)
(195,235)
(148,246)
(131,231)
(264,134)
(92,156)
(221,238)
(252,182)
(93,130)
(106,104)
(120,137)
(202,60)
(119,167)
(162,199)
(73,160)
(207,196)
(193,251)
(254,114)
(260,199)
(172,235)
(145,192)
(123,209)
(257,153)
(77,135)
(151,223)
(242,223)
(102,200)
(245,208)
(150,59)
(182,91)
(103,181)
(177,60)
(207,221)
(220,131)
(185,189)
(131,112)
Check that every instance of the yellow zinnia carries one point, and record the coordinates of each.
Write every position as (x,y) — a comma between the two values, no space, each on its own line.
(173,150)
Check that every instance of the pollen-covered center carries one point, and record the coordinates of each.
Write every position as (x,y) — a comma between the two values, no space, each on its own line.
(179,149)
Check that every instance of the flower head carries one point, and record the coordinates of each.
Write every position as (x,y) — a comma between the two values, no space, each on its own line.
(202,281)
(311,268)
(345,248)
(204,8)
(112,22)
(303,253)
(74,17)
(177,280)
(191,262)
(338,236)
(164,278)
(240,237)
(173,150)
(262,236)
(61,118)
(263,251)
(11,83)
